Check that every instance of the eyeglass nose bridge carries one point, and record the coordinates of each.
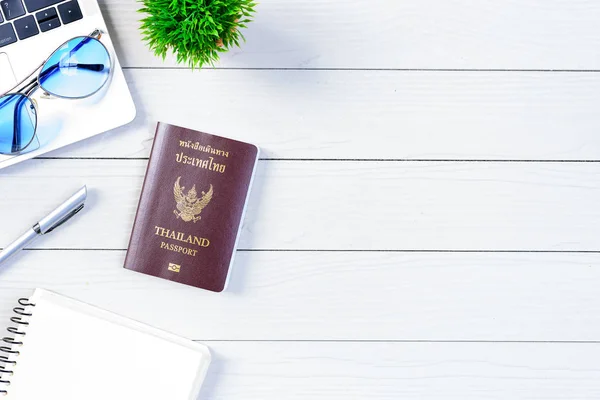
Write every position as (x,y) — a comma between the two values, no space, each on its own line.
(47,96)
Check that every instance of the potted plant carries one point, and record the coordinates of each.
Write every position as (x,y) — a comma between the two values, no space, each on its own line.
(196,31)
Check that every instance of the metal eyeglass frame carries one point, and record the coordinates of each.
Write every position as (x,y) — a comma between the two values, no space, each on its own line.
(31,83)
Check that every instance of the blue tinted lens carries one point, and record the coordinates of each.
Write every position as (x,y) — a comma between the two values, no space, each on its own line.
(77,69)
(17,123)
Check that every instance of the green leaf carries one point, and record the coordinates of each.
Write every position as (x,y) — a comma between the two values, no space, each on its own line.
(192,29)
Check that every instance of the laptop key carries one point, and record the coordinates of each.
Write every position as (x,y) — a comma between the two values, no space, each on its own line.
(12,9)
(35,5)
(45,15)
(48,19)
(70,12)
(26,27)
(7,35)
(49,24)
(1,19)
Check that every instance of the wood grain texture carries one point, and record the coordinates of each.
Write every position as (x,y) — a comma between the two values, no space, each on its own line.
(374,114)
(458,318)
(531,34)
(388,371)
(338,296)
(392,371)
(339,205)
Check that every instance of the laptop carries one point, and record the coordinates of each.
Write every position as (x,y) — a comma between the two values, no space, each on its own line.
(30,30)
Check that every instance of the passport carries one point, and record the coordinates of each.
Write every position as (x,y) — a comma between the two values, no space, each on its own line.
(191,207)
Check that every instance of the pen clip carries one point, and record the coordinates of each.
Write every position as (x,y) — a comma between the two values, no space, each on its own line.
(62,213)
(65,218)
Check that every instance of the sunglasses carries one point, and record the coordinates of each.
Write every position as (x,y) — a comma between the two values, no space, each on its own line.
(77,69)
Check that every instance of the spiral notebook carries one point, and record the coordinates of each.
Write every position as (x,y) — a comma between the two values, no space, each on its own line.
(59,348)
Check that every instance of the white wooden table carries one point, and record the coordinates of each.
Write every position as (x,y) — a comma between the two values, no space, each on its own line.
(425,220)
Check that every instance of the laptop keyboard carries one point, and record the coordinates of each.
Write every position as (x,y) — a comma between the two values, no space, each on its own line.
(18,21)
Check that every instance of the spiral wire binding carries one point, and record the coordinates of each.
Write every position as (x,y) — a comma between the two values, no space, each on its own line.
(7,359)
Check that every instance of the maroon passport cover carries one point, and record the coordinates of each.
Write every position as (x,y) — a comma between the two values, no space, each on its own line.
(191,207)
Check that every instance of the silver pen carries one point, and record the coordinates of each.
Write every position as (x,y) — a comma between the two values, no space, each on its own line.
(56,218)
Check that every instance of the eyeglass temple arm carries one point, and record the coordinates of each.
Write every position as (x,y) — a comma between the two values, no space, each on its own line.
(96,34)
(17,126)
(54,67)
(17,120)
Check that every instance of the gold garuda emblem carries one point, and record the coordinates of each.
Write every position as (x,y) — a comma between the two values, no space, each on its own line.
(189,205)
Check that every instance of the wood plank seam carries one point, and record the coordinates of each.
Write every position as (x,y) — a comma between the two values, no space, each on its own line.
(369,69)
(583,342)
(352,250)
(444,160)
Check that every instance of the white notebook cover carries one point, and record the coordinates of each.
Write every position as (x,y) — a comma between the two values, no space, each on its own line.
(73,351)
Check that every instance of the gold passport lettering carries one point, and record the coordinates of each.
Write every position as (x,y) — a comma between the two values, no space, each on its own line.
(178,249)
(200,163)
(174,267)
(181,237)
(207,149)
(189,205)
